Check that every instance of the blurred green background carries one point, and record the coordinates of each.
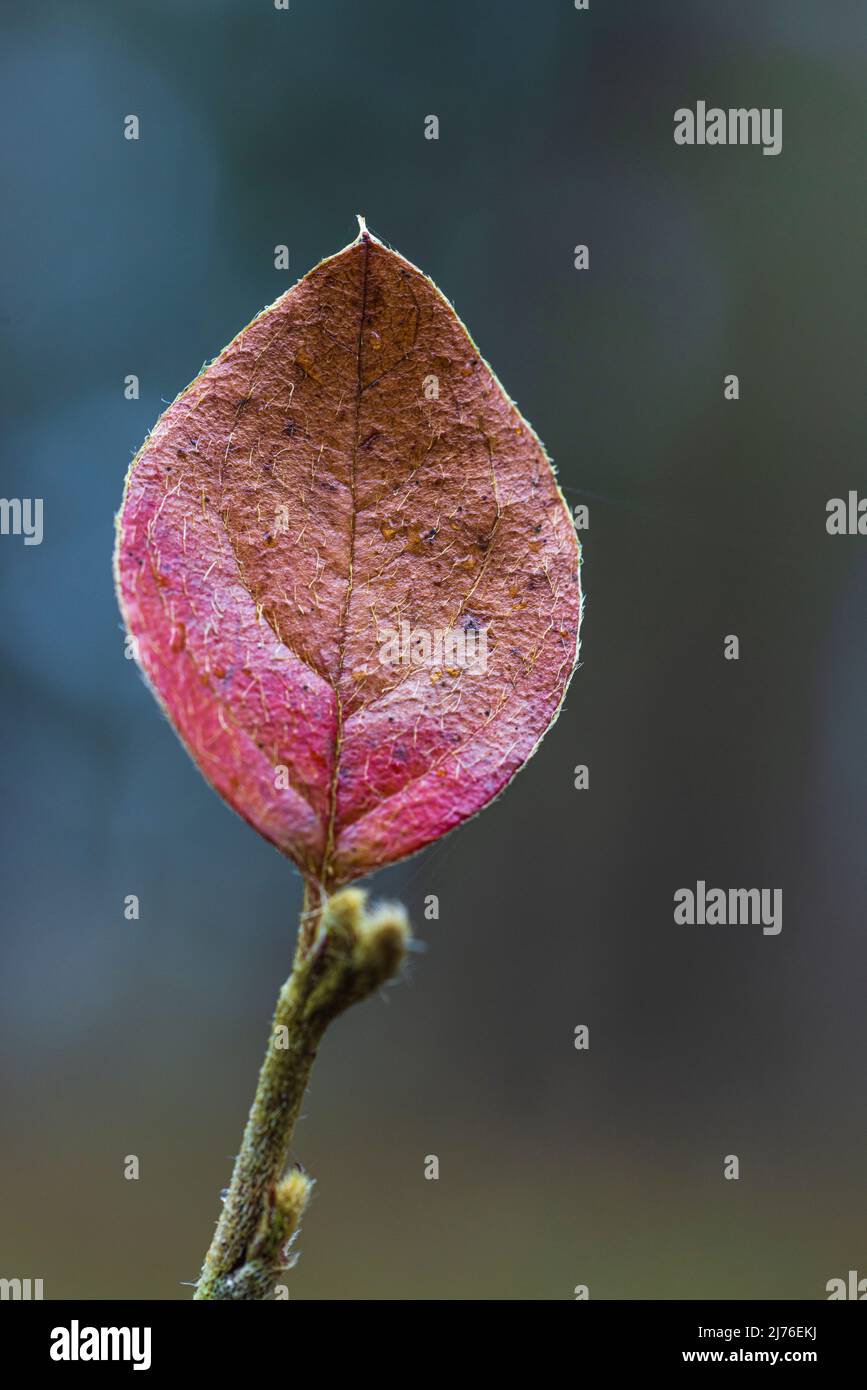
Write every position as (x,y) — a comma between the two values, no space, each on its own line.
(261,127)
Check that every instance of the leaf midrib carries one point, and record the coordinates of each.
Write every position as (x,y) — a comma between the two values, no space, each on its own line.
(344,617)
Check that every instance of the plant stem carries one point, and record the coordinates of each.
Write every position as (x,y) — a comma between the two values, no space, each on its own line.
(343,954)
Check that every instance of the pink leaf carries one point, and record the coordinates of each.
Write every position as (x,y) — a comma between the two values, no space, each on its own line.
(352,578)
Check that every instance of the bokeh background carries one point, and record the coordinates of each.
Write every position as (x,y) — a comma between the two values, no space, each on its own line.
(261,127)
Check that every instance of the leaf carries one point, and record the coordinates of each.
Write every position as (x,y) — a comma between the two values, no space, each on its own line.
(349,464)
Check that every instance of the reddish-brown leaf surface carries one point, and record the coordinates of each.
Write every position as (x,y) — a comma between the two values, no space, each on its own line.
(348,464)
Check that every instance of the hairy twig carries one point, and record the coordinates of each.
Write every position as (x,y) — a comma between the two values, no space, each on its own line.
(344,953)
